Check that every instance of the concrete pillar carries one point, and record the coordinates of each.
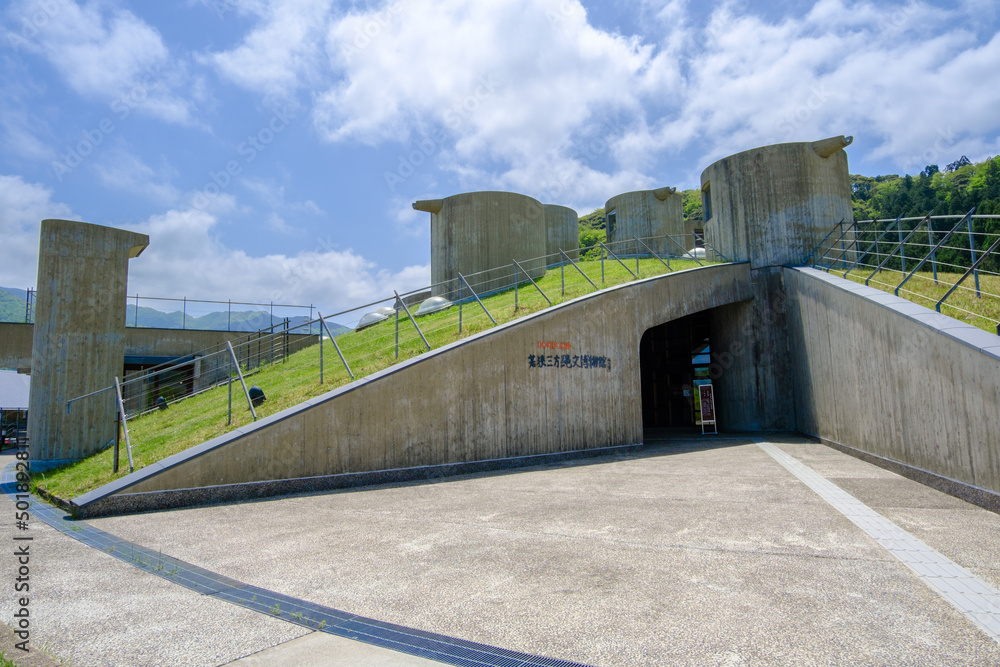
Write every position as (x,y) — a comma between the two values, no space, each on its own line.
(645,214)
(562,227)
(480,233)
(768,206)
(79,336)
(772,205)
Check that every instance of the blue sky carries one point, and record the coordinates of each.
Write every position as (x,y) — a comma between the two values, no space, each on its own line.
(272,148)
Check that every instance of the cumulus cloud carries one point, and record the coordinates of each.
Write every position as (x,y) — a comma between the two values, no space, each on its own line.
(185,257)
(102,52)
(23,206)
(281,53)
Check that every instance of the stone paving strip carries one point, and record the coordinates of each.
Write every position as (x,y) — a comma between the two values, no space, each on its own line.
(316,617)
(978,600)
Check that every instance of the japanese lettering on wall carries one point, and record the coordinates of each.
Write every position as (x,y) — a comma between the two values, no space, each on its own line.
(563,357)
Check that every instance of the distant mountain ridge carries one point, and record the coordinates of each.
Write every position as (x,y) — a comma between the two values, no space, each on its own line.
(14,301)
(12,304)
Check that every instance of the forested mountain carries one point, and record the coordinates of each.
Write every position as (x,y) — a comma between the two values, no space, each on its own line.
(12,304)
(960,187)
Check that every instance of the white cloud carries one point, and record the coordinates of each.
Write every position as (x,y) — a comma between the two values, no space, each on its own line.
(514,85)
(23,206)
(103,52)
(120,169)
(281,54)
(187,258)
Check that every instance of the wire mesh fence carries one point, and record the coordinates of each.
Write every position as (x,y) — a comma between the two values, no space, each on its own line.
(947,262)
(167,408)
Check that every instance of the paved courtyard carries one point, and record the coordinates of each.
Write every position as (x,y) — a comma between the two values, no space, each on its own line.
(683,554)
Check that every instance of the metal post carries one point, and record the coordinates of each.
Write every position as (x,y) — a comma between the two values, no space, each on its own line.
(602,263)
(930,242)
(334,341)
(562,277)
(320,354)
(653,253)
(242,381)
(579,269)
(515,287)
(121,413)
(619,260)
(459,307)
(990,251)
(899,247)
(118,439)
(878,255)
(636,256)
(843,247)
(972,254)
(397,328)
(478,300)
(137,310)
(230,383)
(412,319)
(229,321)
(902,250)
(184,315)
(921,262)
(533,282)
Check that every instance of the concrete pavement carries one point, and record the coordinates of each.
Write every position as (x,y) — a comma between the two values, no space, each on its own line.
(682,554)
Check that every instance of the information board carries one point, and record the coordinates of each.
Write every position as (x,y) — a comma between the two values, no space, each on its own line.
(707,409)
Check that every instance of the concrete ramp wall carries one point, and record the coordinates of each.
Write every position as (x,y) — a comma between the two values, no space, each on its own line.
(485,397)
(895,380)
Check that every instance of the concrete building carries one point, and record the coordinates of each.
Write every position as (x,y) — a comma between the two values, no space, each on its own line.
(785,348)
(562,228)
(772,205)
(79,336)
(647,214)
(474,233)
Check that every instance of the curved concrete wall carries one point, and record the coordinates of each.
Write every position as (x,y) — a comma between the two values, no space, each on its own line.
(562,227)
(474,400)
(481,231)
(78,343)
(644,214)
(772,205)
(894,379)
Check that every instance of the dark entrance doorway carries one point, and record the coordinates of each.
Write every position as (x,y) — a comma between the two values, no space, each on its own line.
(673,360)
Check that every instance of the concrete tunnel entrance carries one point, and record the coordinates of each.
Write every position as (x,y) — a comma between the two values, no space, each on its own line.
(674,359)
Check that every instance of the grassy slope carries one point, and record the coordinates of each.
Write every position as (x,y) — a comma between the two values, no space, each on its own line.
(963,304)
(197,419)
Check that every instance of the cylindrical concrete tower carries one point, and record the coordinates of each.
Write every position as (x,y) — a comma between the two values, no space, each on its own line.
(562,226)
(773,205)
(79,337)
(478,234)
(647,214)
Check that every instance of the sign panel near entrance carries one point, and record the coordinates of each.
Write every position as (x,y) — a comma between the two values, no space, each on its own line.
(707,408)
